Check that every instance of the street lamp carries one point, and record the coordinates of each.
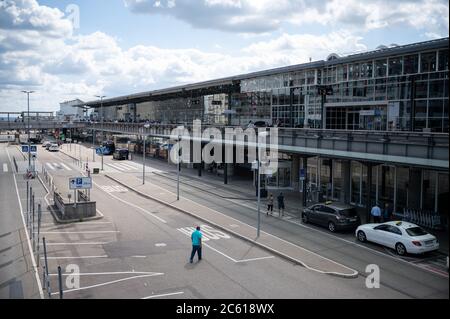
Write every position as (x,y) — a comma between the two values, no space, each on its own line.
(28,99)
(178,170)
(101,108)
(258,163)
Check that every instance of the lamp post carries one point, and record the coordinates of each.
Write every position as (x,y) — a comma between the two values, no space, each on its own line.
(258,163)
(28,99)
(178,170)
(101,108)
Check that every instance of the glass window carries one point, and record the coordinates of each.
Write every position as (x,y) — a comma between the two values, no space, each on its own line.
(411,64)
(416,231)
(436,88)
(443,60)
(435,108)
(380,68)
(382,227)
(428,62)
(395,230)
(395,66)
(421,89)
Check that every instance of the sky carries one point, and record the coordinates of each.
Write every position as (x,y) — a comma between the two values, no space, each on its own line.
(67,49)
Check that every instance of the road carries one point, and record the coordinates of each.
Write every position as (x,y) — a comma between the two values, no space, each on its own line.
(132,251)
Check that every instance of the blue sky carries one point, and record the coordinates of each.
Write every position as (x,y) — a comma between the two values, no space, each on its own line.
(128,46)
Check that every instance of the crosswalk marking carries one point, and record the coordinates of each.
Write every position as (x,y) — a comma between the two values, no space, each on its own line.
(66,167)
(127,165)
(50,166)
(5,167)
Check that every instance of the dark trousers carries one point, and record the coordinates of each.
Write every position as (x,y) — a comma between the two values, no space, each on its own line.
(376,219)
(196,249)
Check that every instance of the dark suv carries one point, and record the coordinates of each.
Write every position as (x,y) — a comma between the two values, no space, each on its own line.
(120,154)
(334,216)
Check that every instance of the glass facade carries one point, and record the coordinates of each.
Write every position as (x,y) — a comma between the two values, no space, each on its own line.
(399,92)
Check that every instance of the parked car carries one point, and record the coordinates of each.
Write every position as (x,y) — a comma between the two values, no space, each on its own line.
(53,148)
(121,154)
(334,216)
(46,143)
(402,236)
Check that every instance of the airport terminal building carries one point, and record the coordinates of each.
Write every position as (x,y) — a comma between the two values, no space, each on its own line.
(391,89)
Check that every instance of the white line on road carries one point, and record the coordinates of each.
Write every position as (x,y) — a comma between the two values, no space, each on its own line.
(127,165)
(135,206)
(66,167)
(80,232)
(50,166)
(163,295)
(109,273)
(252,259)
(5,167)
(41,293)
(79,257)
(108,283)
(59,244)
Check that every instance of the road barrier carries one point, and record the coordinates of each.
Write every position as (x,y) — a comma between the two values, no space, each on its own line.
(428,219)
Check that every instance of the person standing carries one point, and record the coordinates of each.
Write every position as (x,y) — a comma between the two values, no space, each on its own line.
(270,205)
(280,199)
(196,238)
(376,213)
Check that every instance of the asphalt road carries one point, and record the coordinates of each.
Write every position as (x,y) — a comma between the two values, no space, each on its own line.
(131,238)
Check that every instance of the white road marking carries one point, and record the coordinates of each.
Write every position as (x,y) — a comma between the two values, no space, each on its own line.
(115,167)
(108,283)
(79,257)
(163,295)
(252,259)
(122,167)
(80,232)
(41,293)
(66,167)
(5,167)
(50,166)
(129,166)
(139,256)
(160,245)
(109,273)
(73,244)
(135,206)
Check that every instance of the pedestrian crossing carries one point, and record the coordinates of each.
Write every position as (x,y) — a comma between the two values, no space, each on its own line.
(5,168)
(58,166)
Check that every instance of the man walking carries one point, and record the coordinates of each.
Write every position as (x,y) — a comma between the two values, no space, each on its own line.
(270,205)
(196,238)
(376,213)
(280,199)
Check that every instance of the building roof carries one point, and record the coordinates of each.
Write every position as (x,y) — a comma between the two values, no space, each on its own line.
(232,84)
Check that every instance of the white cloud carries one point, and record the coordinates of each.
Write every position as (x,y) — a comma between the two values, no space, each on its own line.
(260,16)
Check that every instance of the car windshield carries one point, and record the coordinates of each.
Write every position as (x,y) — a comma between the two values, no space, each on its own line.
(349,212)
(416,231)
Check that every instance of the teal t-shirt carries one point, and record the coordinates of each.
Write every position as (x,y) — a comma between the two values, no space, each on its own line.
(196,236)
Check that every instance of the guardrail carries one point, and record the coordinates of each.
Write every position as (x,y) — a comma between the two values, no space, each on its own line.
(424,218)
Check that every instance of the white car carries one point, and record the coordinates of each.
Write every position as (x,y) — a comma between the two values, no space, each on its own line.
(54,148)
(402,236)
(46,143)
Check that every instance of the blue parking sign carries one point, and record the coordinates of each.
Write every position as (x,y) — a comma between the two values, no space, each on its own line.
(79,181)
(33,148)
(25,148)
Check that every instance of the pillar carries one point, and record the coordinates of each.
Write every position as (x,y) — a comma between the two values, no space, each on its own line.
(295,172)
(305,180)
(414,188)
(369,202)
(346,181)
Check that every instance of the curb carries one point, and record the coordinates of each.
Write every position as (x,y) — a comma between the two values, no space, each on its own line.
(272,250)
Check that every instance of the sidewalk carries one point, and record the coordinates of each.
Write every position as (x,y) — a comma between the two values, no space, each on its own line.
(266,241)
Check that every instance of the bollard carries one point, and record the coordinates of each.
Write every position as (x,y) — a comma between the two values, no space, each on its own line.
(47,282)
(38,232)
(33,226)
(60,283)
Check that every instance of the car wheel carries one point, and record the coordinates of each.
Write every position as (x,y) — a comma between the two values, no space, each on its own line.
(331,227)
(400,249)
(361,236)
(305,218)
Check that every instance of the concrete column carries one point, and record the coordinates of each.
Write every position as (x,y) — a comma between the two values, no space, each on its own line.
(369,202)
(295,172)
(414,188)
(346,181)
(305,181)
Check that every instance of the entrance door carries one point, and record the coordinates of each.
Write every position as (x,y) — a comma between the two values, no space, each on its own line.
(353,120)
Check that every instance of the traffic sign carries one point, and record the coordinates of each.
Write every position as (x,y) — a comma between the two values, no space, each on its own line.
(33,149)
(80,183)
